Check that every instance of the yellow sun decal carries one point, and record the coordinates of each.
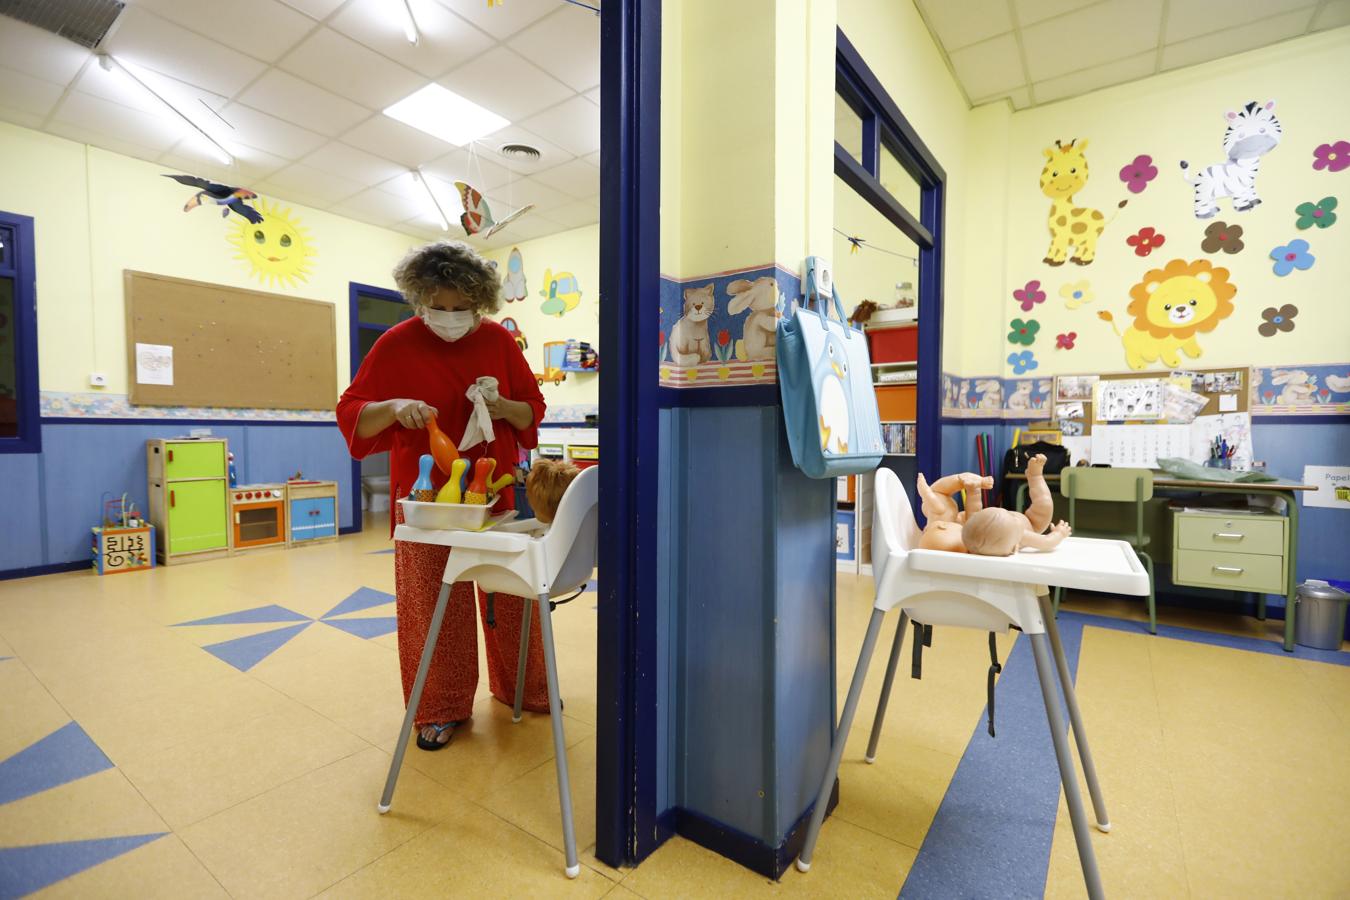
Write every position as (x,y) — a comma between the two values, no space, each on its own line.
(278,249)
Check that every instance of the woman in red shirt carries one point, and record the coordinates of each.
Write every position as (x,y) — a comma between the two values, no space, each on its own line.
(419,370)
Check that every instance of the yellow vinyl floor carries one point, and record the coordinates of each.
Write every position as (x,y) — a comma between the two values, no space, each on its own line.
(144,757)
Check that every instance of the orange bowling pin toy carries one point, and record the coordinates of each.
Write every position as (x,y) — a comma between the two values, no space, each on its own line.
(482,490)
(442,448)
(453,490)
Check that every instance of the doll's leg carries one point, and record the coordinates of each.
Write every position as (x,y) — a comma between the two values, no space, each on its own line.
(1042,504)
(973,484)
(936,500)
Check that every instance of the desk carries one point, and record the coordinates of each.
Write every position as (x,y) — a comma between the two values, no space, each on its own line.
(1280,488)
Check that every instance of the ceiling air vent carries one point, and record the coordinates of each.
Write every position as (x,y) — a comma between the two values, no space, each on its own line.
(83,21)
(513,151)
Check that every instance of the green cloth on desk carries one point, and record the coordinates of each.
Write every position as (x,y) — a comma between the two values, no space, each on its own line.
(1184,468)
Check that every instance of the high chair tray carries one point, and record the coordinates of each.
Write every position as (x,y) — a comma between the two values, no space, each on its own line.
(452,516)
(1088,564)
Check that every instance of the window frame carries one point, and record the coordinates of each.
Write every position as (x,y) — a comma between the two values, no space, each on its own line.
(884,124)
(20,265)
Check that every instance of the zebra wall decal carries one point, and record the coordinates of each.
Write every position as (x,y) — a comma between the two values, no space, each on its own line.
(1252,133)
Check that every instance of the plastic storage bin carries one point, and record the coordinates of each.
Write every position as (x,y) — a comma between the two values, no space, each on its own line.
(890,345)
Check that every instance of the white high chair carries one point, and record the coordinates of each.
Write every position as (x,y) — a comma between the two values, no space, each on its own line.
(527,559)
(989,593)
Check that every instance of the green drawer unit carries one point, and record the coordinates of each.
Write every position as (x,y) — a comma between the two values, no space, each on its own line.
(198,519)
(1229,571)
(1264,535)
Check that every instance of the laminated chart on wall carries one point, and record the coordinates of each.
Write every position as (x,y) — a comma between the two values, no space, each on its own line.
(1119,401)
(1140,446)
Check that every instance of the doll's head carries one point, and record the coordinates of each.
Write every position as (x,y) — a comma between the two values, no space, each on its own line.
(993,532)
(545,485)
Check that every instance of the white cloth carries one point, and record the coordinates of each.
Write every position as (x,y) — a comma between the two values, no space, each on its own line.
(479,429)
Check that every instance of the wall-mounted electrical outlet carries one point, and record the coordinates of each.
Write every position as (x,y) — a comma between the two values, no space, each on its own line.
(98,379)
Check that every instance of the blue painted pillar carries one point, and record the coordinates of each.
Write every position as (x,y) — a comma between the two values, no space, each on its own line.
(746,570)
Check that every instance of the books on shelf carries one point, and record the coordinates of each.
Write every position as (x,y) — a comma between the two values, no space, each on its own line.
(899,437)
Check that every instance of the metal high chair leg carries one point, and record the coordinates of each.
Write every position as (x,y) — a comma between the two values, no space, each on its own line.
(559,744)
(840,738)
(891,666)
(1077,813)
(1076,718)
(520,662)
(414,698)
(1059,595)
(1152,604)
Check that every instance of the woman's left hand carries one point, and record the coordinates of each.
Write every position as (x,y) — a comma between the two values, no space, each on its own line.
(519,415)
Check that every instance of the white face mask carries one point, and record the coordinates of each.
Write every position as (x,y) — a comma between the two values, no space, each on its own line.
(449,325)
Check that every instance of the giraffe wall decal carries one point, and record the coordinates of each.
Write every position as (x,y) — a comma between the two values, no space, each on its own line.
(1074,230)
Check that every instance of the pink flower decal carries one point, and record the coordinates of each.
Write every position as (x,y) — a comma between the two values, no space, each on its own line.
(1029,296)
(1138,174)
(1146,241)
(1065,341)
(1332,157)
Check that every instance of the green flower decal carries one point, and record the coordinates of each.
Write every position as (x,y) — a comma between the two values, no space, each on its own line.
(1023,332)
(1319,213)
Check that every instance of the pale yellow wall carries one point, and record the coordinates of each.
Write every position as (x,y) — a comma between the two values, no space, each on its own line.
(1180,115)
(98,213)
(578,252)
(672,132)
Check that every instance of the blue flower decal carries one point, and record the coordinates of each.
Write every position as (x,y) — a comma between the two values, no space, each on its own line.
(1293,255)
(1022,362)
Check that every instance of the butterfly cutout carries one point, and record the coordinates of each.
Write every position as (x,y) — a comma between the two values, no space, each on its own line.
(477,216)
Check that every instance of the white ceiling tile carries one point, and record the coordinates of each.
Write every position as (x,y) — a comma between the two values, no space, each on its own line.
(522,192)
(576,213)
(504,19)
(428,225)
(1193,18)
(550,154)
(413,190)
(21,117)
(576,178)
(123,123)
(119,87)
(310,182)
(39,53)
(1088,80)
(258,129)
(483,174)
(1030,12)
(264,29)
(288,196)
(405,185)
(445,40)
(34,96)
(507,84)
(1021,98)
(593,95)
(566,45)
(250,164)
(378,207)
(1332,15)
(573,125)
(961,24)
(593,158)
(385,137)
(315,9)
(1236,40)
(1089,37)
(990,67)
(294,100)
(339,64)
(147,40)
(352,164)
(84,134)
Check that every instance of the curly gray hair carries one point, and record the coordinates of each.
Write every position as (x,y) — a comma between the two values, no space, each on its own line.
(448,264)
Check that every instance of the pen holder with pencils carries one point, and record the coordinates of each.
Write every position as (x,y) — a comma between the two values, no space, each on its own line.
(1219,463)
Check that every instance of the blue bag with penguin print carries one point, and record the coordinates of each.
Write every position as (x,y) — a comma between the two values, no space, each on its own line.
(825,378)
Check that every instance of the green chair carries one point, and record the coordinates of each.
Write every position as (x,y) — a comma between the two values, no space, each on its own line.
(1113,486)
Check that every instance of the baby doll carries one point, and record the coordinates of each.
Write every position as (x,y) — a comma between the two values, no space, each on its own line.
(994,531)
(944,519)
(544,486)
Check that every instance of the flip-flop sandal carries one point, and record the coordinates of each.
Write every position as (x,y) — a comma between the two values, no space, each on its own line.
(425,744)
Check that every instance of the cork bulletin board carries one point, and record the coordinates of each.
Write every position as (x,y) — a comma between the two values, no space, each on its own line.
(1212,384)
(230,347)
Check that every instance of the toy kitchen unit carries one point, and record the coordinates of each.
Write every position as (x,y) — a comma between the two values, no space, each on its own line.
(258,515)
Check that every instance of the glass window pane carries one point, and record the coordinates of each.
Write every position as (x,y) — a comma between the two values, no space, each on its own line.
(379,311)
(9,389)
(899,183)
(6,240)
(884,269)
(366,339)
(848,128)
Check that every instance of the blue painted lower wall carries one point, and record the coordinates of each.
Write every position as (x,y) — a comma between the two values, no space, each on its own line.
(51,499)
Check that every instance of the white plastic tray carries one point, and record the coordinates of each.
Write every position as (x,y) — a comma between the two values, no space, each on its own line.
(451,516)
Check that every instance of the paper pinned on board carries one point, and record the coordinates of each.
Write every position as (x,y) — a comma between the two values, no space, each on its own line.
(1227,403)
(154,364)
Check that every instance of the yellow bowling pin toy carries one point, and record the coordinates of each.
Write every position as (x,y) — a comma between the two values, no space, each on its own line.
(453,490)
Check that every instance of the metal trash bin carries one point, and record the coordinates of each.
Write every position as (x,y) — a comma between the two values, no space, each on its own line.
(1320,618)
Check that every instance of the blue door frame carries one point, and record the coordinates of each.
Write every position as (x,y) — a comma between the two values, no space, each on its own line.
(354,327)
(628,826)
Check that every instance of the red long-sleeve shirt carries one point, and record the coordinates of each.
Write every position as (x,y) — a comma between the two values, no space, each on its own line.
(409,361)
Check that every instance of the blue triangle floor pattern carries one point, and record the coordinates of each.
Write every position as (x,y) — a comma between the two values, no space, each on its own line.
(65,755)
(24,870)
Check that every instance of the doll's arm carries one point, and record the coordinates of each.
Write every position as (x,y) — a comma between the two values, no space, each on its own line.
(1048,541)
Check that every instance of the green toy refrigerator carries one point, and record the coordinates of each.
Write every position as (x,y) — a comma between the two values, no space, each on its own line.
(189,498)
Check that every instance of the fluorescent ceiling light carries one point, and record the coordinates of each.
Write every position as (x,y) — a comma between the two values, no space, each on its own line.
(409,23)
(440,213)
(446,115)
(110,64)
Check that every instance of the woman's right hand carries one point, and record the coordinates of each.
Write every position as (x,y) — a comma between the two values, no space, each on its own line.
(412,414)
